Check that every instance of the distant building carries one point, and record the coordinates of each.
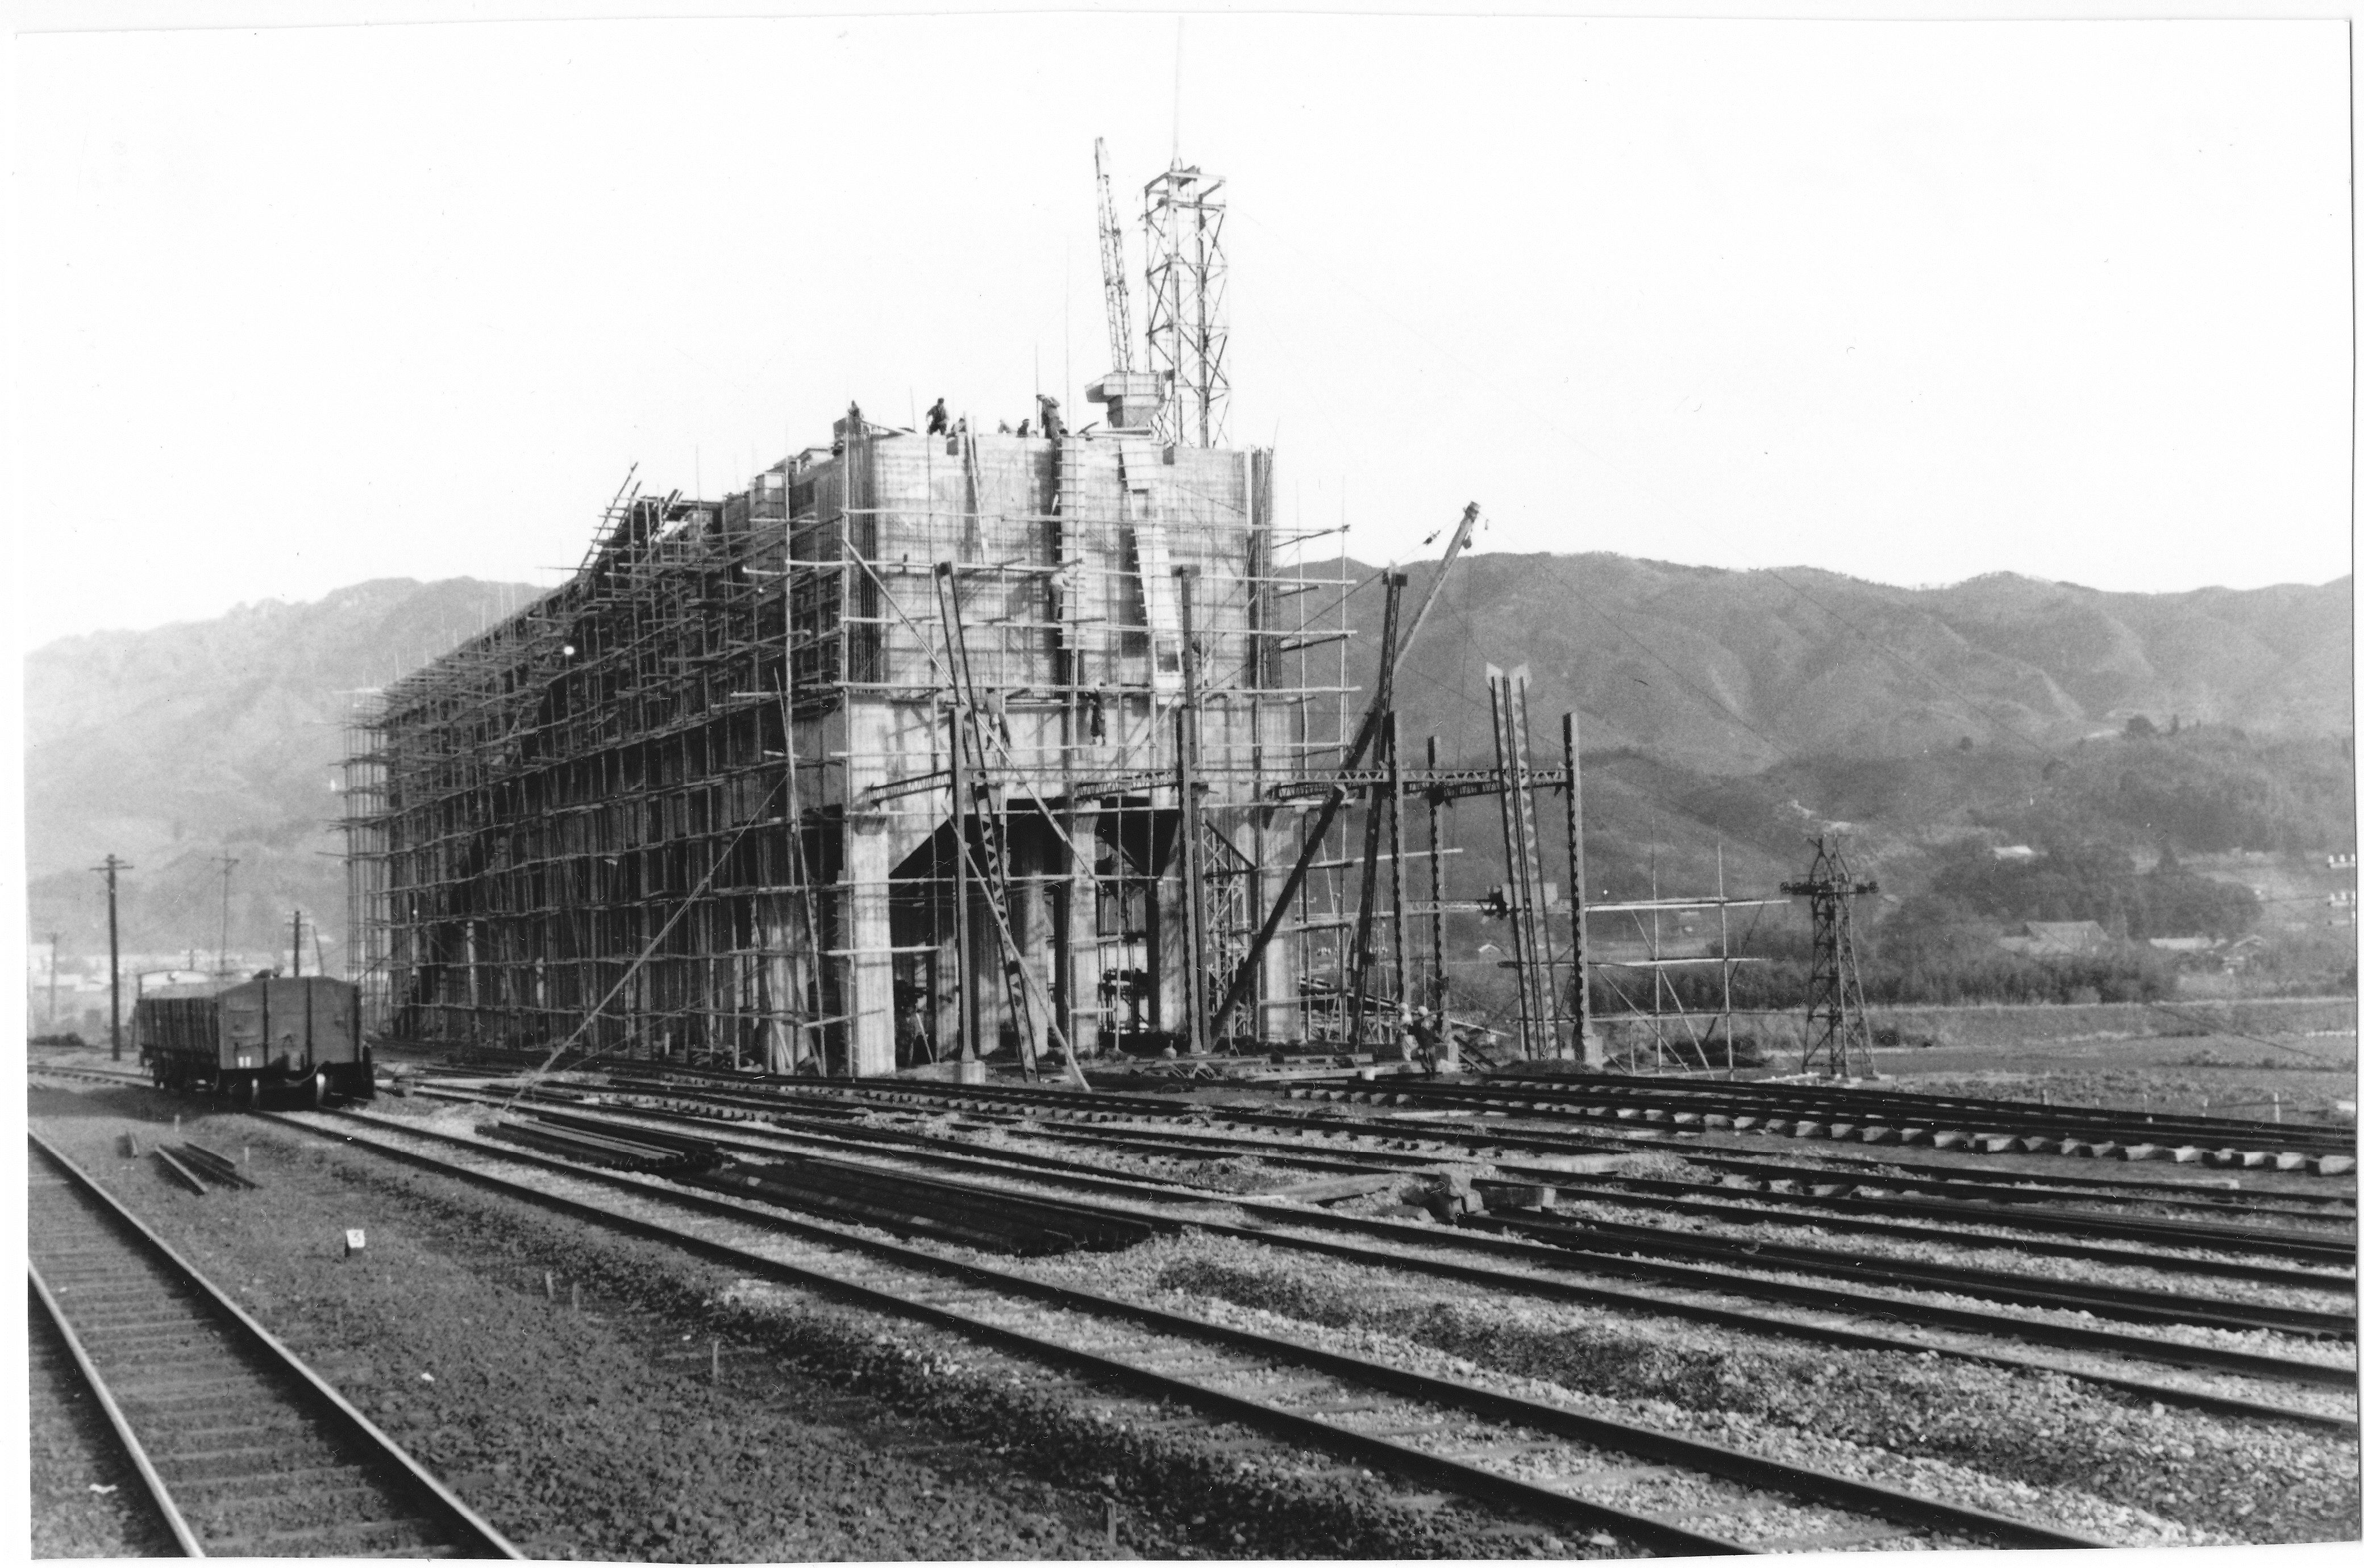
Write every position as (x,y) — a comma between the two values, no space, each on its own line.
(2185,944)
(2059,938)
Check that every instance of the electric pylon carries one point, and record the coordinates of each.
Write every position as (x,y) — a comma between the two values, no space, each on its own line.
(1838,1040)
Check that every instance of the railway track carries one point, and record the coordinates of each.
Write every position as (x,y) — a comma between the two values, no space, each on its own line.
(2135,1305)
(1394,1245)
(2017,1226)
(1888,1117)
(2127,1303)
(2167,1247)
(1643,1489)
(1086,1114)
(1390,1244)
(1604,1134)
(243,1450)
(2001,1202)
(2176,1245)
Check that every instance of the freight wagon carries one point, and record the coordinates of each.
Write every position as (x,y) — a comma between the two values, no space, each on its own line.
(267,1033)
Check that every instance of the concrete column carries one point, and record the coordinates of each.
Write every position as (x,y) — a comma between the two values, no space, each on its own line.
(1170,954)
(1029,922)
(1277,834)
(869,966)
(864,932)
(777,983)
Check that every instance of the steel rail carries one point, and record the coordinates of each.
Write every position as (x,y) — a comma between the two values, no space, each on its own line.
(1774,1327)
(848,1135)
(1915,1109)
(1834,1298)
(1467,1480)
(1984,1118)
(2329,1252)
(1620,1138)
(136,1451)
(1752,1470)
(1967,1184)
(1820,1097)
(1157,1191)
(1963,1105)
(467,1525)
(1615,1256)
(2132,1304)
(855,1139)
(2141,1306)
(1764,1208)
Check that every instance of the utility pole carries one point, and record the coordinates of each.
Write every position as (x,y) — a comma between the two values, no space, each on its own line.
(295,947)
(221,954)
(114,960)
(1438,984)
(1185,795)
(1587,1049)
(965,979)
(53,982)
(1358,970)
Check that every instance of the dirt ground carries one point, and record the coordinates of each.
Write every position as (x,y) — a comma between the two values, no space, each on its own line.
(2313,1076)
(601,1431)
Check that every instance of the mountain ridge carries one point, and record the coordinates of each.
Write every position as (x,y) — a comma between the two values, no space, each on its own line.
(1718,706)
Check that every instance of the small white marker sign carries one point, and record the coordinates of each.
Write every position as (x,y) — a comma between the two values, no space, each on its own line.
(355,1241)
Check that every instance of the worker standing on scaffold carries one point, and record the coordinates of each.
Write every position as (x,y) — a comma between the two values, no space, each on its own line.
(1053,426)
(938,421)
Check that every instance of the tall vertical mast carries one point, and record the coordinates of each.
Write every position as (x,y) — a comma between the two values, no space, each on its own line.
(1188,326)
(114,960)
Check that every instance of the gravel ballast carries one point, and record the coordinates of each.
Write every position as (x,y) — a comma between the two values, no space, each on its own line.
(833,1432)
(87,1500)
(2035,1445)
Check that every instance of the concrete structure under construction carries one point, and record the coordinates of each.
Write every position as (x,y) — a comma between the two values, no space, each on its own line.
(920,746)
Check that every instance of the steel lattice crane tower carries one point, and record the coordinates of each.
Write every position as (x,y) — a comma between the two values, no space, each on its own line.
(1120,307)
(1838,1040)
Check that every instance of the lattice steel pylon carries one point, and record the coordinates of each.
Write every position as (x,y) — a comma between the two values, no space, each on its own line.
(1189,331)
(1838,1040)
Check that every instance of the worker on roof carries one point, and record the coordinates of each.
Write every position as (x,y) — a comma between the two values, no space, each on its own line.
(939,422)
(1053,426)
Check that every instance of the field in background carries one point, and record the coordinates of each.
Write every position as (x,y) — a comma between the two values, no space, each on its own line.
(2310,1078)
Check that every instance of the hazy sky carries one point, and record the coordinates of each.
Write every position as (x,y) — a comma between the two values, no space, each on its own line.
(304,307)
